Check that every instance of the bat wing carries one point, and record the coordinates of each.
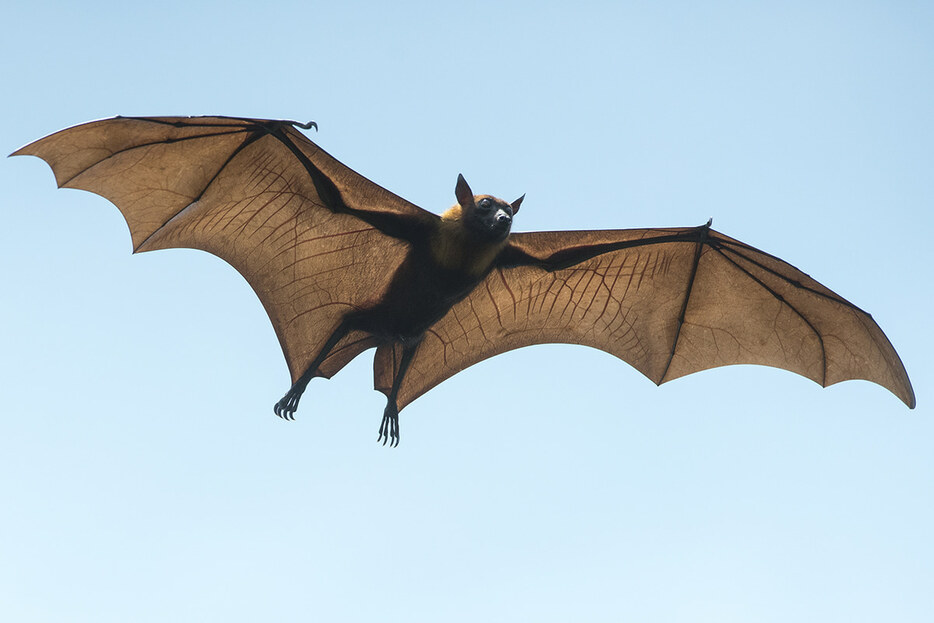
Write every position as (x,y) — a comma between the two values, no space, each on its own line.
(667,301)
(301,227)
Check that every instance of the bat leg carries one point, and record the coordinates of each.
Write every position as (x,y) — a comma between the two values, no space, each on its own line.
(287,407)
(389,428)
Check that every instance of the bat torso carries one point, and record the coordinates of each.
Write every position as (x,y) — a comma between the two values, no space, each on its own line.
(452,248)
(440,269)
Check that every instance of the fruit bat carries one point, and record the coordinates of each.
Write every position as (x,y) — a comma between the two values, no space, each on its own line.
(342,265)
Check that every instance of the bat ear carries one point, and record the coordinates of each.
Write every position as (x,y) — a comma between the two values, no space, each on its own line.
(515,204)
(462,192)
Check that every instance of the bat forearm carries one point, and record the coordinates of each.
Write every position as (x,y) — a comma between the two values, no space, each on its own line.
(399,226)
(514,256)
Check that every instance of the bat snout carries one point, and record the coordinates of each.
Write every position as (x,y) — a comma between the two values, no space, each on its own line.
(502,218)
(501,224)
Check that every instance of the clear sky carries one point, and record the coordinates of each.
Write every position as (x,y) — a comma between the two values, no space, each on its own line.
(145,478)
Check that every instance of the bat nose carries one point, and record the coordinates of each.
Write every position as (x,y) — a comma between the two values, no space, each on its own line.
(502,218)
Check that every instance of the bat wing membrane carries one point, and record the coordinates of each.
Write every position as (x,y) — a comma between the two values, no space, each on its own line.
(259,195)
(669,302)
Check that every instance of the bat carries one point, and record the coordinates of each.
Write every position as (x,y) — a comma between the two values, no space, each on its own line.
(342,265)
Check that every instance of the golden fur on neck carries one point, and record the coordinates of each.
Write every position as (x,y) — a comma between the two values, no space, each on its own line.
(453,213)
(454,249)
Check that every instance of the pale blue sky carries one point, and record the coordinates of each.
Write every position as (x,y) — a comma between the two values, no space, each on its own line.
(145,478)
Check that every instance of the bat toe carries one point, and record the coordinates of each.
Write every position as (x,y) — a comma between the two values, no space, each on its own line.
(287,407)
(389,428)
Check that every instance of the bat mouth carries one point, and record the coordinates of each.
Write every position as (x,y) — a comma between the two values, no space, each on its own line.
(499,229)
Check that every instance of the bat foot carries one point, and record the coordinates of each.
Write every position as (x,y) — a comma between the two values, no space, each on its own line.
(287,407)
(389,429)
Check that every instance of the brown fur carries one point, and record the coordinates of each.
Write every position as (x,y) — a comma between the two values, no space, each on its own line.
(453,248)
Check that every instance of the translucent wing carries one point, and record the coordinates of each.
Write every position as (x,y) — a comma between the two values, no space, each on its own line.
(295,222)
(667,301)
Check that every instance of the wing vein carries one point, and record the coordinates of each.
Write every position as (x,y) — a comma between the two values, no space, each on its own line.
(165,141)
(785,301)
(794,282)
(249,140)
(687,296)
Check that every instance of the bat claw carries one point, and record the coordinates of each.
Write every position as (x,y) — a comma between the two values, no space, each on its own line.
(305,126)
(389,428)
(287,407)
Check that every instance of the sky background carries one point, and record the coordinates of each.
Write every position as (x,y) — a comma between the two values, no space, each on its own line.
(142,472)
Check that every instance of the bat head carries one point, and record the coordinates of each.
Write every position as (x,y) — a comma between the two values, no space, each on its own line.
(485,216)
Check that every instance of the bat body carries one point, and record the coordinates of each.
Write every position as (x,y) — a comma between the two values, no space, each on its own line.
(342,265)
(445,261)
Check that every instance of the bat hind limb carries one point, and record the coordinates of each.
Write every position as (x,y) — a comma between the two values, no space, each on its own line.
(389,428)
(287,407)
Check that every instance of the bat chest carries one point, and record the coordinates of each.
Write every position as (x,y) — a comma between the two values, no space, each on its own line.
(453,249)
(421,292)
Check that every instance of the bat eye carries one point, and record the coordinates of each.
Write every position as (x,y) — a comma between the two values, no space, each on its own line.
(485,204)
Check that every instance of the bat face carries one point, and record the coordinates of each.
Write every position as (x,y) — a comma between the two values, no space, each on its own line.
(488,218)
